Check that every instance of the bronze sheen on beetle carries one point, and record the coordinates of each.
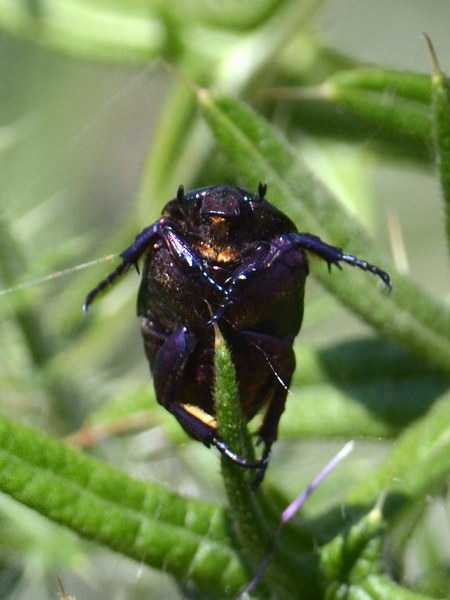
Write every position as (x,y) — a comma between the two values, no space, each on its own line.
(222,255)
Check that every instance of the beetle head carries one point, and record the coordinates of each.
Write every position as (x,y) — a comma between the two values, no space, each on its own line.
(221,214)
(224,212)
(226,216)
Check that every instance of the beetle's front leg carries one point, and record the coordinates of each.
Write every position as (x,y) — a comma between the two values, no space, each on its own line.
(186,257)
(130,257)
(252,265)
(333,255)
(165,231)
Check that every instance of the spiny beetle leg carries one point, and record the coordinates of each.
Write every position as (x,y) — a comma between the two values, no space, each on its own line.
(240,276)
(167,231)
(142,241)
(182,251)
(264,464)
(161,230)
(228,298)
(203,432)
(130,256)
(260,465)
(247,463)
(334,255)
(365,266)
(109,280)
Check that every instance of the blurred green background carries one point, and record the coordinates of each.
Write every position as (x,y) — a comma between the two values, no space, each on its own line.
(74,140)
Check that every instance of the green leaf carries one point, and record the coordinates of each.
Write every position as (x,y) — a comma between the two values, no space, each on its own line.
(417,466)
(378,587)
(441,129)
(400,120)
(172,146)
(89,30)
(188,538)
(352,562)
(407,315)
(389,110)
(362,388)
(232,15)
(395,85)
(353,556)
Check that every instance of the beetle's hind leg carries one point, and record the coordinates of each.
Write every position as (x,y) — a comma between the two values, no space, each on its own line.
(203,427)
(246,463)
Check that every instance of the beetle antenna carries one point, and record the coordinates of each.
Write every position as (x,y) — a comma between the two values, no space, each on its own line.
(180,193)
(262,189)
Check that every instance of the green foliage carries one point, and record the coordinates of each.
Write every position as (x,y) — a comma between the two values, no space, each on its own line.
(251,93)
(186,538)
(441,125)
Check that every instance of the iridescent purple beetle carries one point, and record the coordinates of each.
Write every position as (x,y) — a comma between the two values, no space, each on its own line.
(222,255)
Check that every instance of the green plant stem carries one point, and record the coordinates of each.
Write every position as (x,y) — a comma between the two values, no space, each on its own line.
(249,516)
(441,130)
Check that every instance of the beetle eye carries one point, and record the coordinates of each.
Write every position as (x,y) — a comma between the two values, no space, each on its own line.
(262,189)
(198,201)
(180,193)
